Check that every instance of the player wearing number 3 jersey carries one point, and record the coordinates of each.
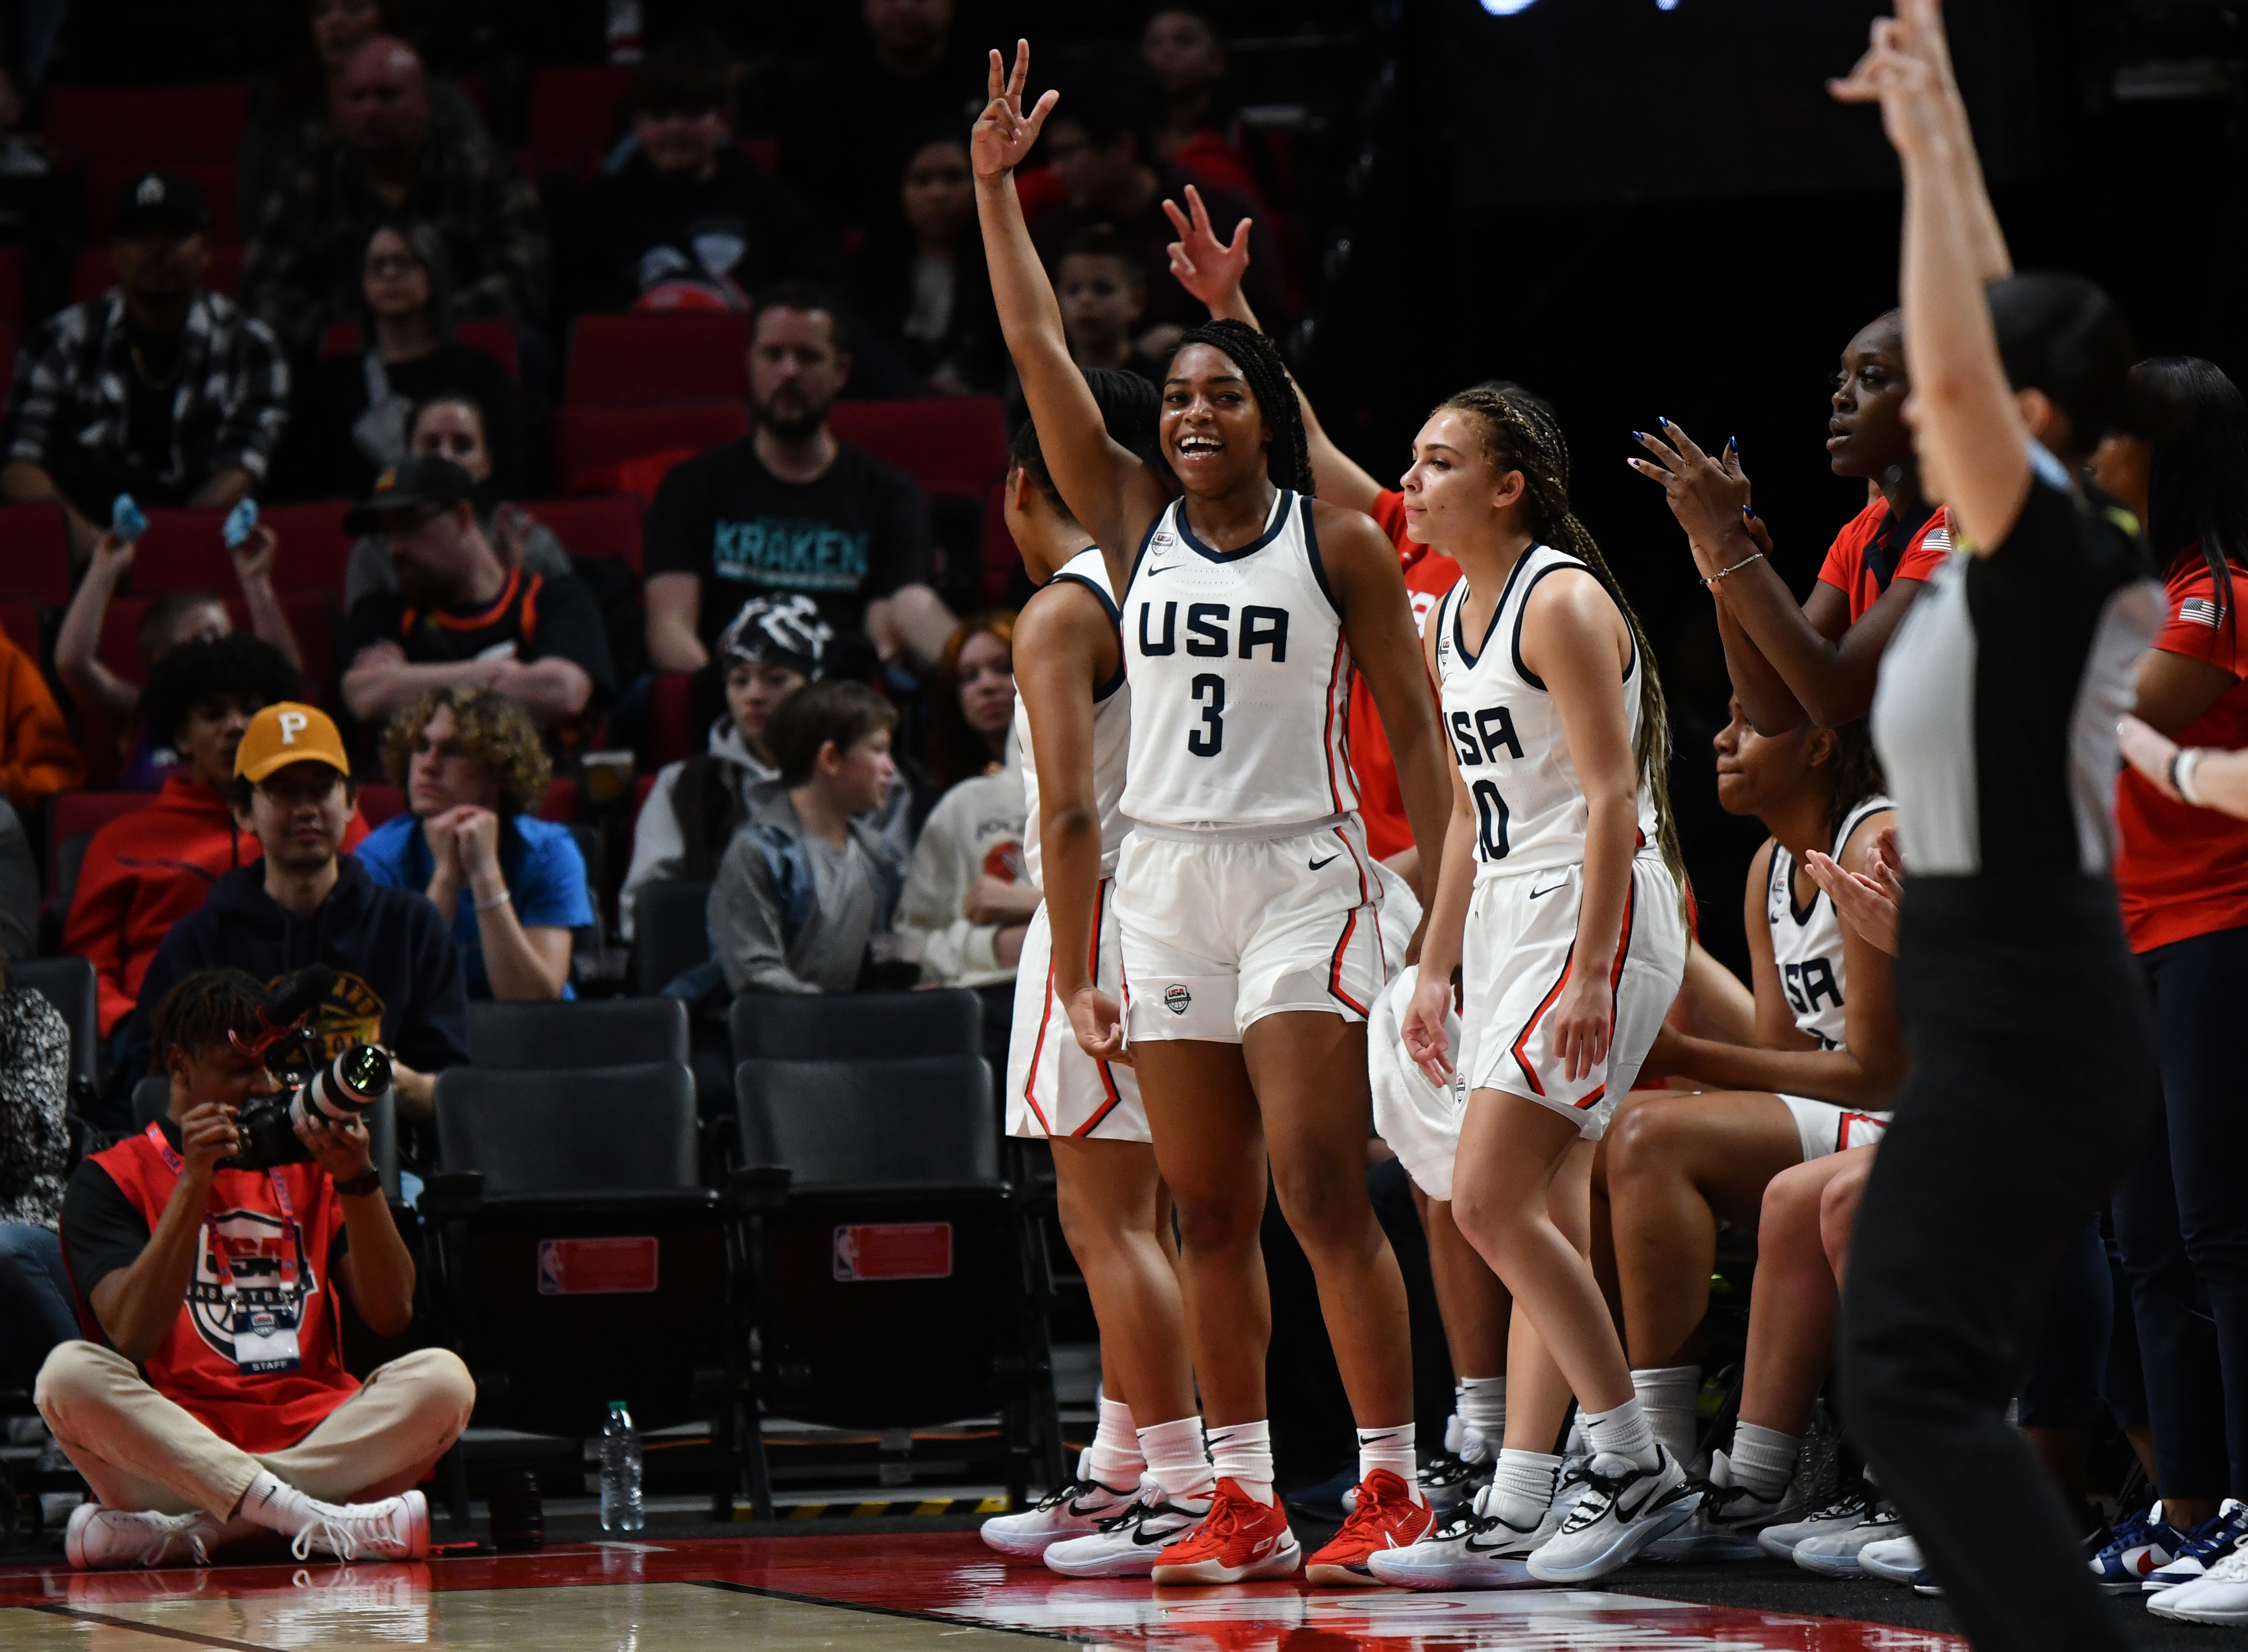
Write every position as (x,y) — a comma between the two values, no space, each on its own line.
(1560,904)
(1253,921)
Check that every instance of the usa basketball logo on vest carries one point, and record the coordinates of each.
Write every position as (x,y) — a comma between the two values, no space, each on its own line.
(1176,999)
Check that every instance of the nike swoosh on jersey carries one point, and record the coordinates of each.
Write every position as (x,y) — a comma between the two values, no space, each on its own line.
(1160,567)
(1539,895)
(1329,862)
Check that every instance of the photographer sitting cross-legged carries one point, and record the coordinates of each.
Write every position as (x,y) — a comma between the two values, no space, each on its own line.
(215,1407)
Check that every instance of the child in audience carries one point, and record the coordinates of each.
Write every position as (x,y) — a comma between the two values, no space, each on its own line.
(806,886)
(474,769)
(1103,290)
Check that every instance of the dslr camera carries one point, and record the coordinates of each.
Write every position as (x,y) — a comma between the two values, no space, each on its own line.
(340,1090)
(331,1092)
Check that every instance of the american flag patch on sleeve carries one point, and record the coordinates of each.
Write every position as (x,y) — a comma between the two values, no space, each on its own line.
(2198,611)
(1938,539)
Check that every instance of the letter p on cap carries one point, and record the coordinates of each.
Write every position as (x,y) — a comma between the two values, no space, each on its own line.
(293,724)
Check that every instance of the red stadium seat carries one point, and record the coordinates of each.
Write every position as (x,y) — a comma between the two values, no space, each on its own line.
(150,124)
(495,338)
(182,550)
(572,116)
(379,802)
(21,622)
(954,446)
(311,617)
(560,803)
(630,360)
(105,178)
(601,525)
(314,548)
(673,735)
(93,275)
(35,553)
(589,440)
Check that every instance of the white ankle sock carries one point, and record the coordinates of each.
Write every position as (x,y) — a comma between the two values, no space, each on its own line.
(1482,1407)
(1241,1452)
(277,1505)
(1763,1459)
(1522,1487)
(1671,1396)
(1115,1459)
(1177,1460)
(1390,1449)
(1622,1432)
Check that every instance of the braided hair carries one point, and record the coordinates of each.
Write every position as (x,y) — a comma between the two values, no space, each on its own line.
(200,1010)
(1857,773)
(1520,433)
(1288,460)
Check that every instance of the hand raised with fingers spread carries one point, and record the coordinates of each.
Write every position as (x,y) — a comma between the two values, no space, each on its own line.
(1207,267)
(1002,133)
(1709,496)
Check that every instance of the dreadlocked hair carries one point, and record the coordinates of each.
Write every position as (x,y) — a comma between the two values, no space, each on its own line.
(1857,773)
(1520,433)
(202,1008)
(1288,460)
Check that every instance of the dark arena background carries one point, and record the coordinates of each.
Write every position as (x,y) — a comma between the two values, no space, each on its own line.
(1640,209)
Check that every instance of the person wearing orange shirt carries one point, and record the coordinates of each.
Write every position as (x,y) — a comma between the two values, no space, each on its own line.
(36,757)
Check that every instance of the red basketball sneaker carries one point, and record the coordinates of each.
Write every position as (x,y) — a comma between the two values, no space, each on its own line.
(1239,1539)
(1385,1517)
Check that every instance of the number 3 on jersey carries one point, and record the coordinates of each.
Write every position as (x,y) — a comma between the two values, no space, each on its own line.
(1210,739)
(1491,820)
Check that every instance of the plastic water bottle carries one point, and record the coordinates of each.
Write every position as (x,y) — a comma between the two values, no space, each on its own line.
(620,1504)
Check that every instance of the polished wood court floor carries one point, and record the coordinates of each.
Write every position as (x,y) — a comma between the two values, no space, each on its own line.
(920,1592)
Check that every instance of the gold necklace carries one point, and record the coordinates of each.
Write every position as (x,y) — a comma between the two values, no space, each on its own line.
(140,367)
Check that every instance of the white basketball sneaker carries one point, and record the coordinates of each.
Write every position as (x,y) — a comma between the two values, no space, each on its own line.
(99,1539)
(2218,1595)
(1130,1543)
(1730,1521)
(394,1529)
(1835,1553)
(1477,1550)
(1621,1509)
(1070,1510)
(1844,1512)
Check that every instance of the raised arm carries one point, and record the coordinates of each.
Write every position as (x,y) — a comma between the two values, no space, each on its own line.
(253,566)
(1105,485)
(1211,270)
(1969,429)
(77,658)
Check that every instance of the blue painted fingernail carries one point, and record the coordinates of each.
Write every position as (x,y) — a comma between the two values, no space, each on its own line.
(1731,443)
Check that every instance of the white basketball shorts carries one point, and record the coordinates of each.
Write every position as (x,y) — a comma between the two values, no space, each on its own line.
(1521,934)
(1420,1121)
(1053,1088)
(1824,1128)
(1220,931)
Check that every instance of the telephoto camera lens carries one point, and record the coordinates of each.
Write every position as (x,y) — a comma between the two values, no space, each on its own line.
(343,1087)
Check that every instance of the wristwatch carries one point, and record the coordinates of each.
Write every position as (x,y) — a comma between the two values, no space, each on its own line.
(367,1180)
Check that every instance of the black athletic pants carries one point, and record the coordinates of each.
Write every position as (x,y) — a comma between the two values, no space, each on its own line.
(2033,1068)
(2181,1220)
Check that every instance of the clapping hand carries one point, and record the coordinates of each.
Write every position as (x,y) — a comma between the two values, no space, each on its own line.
(1867,900)
(1708,496)
(1002,133)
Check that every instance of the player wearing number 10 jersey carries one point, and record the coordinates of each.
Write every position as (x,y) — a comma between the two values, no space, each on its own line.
(1252,920)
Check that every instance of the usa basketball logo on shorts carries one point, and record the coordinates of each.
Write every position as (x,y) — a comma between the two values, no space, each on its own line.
(1175,999)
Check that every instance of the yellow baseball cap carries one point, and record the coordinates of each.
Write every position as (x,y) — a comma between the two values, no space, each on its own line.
(286,733)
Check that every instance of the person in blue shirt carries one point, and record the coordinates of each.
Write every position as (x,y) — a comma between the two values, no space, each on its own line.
(473,768)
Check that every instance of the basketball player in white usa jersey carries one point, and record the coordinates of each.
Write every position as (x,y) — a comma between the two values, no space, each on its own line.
(1147,1476)
(1808,1077)
(1561,903)
(1252,920)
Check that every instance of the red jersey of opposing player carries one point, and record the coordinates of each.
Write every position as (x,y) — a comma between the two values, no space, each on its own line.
(1862,560)
(2182,871)
(1429,574)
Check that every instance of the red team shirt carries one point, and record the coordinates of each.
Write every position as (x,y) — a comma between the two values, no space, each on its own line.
(1429,575)
(194,1368)
(1854,561)
(2183,870)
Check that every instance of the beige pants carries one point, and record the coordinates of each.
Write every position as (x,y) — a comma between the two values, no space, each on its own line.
(139,1451)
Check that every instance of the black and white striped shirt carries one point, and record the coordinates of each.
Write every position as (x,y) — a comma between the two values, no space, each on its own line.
(1995,715)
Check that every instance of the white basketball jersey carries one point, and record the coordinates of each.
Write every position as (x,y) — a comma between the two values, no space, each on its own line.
(1112,733)
(1529,809)
(1806,945)
(1240,679)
